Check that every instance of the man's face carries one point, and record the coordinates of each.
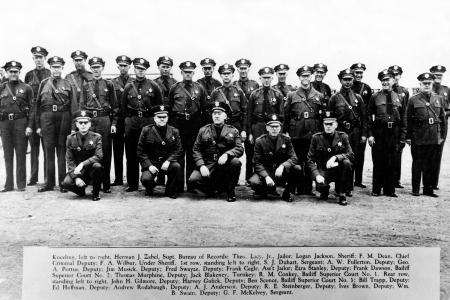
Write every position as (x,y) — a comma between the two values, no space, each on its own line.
(273,129)
(219,117)
(319,75)
(438,77)
(243,71)
(161,119)
(79,63)
(358,74)
(281,76)
(13,75)
(329,126)
(39,61)
(187,74)
(226,77)
(426,86)
(123,69)
(140,72)
(347,82)
(386,83)
(266,80)
(164,69)
(97,70)
(397,78)
(83,125)
(56,70)
(208,70)
(305,79)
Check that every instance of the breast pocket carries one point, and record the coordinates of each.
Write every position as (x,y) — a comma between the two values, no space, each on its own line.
(420,111)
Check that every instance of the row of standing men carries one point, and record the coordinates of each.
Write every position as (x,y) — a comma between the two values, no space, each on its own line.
(121,108)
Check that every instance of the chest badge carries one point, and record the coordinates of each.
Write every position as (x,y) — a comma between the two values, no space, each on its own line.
(274,100)
(283,146)
(21,91)
(428,104)
(150,90)
(106,90)
(91,142)
(329,149)
(403,94)
(78,149)
(437,103)
(121,90)
(445,94)
(235,95)
(339,144)
(356,101)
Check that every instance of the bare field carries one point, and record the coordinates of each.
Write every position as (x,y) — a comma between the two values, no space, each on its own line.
(124,219)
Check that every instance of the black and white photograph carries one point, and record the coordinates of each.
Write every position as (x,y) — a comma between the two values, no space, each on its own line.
(224,149)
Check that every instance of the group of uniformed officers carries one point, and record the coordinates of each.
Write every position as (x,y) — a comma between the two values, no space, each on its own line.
(292,137)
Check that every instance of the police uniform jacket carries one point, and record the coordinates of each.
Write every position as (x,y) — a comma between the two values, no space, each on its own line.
(119,85)
(87,152)
(350,113)
(381,121)
(139,97)
(322,88)
(258,109)
(154,149)
(15,101)
(269,155)
(320,151)
(444,92)
(403,94)
(165,90)
(102,102)
(77,79)
(303,113)
(209,146)
(425,119)
(247,85)
(235,98)
(363,89)
(284,89)
(209,85)
(55,94)
(34,77)
(187,102)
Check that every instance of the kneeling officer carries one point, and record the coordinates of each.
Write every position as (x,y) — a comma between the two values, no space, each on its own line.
(159,150)
(83,156)
(216,154)
(275,162)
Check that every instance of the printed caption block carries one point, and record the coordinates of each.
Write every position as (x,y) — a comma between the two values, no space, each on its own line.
(231,273)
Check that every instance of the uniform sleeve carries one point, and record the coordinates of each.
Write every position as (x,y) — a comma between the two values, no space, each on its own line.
(244,104)
(292,156)
(287,113)
(409,119)
(196,151)
(402,112)
(443,120)
(114,104)
(203,100)
(158,93)
(364,115)
(237,150)
(371,110)
(36,107)
(249,112)
(257,160)
(74,105)
(171,97)
(348,150)
(143,158)
(311,158)
(124,103)
(29,104)
(71,165)
(176,155)
(98,155)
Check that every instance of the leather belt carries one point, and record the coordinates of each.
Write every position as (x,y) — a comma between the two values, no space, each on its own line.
(54,108)
(12,116)
(99,113)
(139,113)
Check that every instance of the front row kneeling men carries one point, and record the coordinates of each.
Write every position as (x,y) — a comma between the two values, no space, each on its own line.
(331,158)
(159,150)
(216,154)
(275,162)
(83,155)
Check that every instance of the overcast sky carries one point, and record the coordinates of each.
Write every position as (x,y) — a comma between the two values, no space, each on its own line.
(412,34)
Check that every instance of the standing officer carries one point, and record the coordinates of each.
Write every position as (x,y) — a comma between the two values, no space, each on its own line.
(15,124)
(52,111)
(403,94)
(123,64)
(351,114)
(275,162)
(34,78)
(187,101)
(80,75)
(139,96)
(264,101)
(234,97)
(281,72)
(99,97)
(426,130)
(320,71)
(209,83)
(83,156)
(303,113)
(165,81)
(387,129)
(247,86)
(159,150)
(216,154)
(364,90)
(443,91)
(330,158)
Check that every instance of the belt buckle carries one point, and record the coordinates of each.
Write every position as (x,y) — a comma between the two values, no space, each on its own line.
(430,121)
(187,116)
(347,125)
(389,124)
(10,117)
(54,107)
(140,114)
(306,115)
(94,113)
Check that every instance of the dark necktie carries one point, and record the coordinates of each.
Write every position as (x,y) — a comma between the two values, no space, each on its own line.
(266,99)
(96,88)
(227,93)
(166,83)
(389,106)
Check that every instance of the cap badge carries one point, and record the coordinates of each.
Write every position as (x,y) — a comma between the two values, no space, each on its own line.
(161,108)
(166,58)
(327,114)
(339,144)
(141,61)
(123,57)
(283,146)
(216,104)
(426,76)
(321,65)
(91,142)
(38,49)
(242,61)
(359,65)
(55,58)
(266,70)
(274,117)
(78,52)
(207,60)
(13,64)
(83,113)
(395,67)
(95,59)
(439,67)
